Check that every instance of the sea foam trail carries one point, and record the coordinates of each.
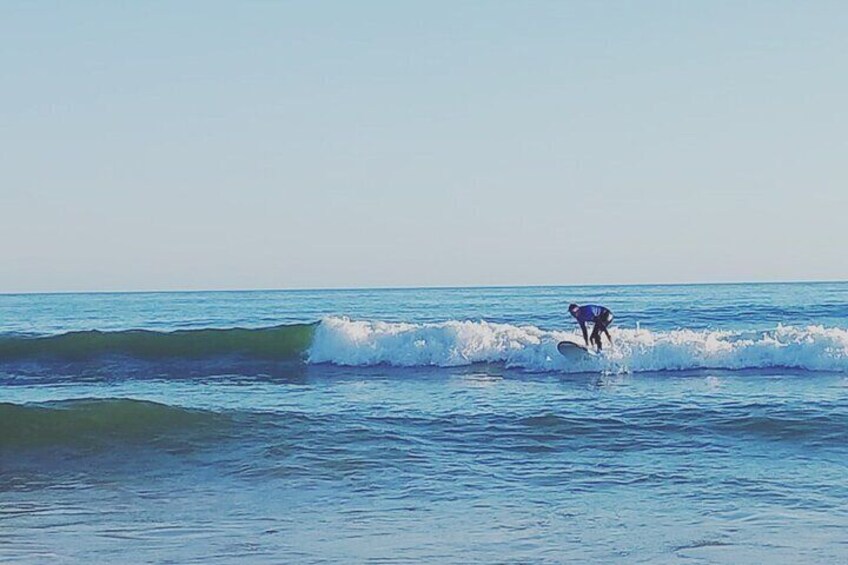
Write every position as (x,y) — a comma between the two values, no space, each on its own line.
(454,343)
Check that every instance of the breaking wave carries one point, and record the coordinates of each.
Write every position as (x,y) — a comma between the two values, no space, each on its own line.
(454,343)
(345,342)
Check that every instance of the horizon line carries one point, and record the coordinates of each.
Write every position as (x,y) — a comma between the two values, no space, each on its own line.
(414,287)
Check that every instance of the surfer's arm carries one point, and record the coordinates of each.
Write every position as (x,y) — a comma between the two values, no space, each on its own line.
(585,333)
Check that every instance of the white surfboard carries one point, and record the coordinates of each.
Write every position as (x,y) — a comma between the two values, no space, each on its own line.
(574,351)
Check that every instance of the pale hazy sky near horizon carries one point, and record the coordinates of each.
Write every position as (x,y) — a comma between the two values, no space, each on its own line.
(224,145)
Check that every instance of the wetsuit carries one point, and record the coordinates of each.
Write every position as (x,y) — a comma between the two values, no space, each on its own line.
(599,316)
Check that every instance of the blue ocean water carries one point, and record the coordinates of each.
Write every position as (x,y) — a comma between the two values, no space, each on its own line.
(425,425)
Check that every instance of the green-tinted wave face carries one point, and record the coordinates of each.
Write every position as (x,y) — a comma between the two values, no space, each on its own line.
(276,343)
(93,422)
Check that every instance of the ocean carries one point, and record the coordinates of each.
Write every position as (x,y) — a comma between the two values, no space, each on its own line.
(425,426)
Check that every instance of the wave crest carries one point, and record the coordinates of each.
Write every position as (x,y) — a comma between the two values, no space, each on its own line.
(98,421)
(279,342)
(454,343)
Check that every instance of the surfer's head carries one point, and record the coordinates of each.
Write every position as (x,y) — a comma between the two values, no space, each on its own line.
(573,308)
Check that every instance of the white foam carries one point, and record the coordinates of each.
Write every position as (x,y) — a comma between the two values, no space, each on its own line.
(453,343)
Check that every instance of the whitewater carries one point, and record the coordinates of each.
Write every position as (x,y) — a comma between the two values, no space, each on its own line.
(455,343)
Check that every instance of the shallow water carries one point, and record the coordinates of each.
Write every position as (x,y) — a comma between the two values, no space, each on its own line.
(410,441)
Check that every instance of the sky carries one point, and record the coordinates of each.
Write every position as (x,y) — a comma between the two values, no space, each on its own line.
(239,145)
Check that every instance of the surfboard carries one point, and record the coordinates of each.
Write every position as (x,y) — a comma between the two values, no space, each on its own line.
(573,350)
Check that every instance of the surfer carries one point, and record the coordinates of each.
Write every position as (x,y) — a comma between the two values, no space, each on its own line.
(600,317)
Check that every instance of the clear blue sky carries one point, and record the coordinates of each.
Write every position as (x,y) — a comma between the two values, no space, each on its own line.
(204,145)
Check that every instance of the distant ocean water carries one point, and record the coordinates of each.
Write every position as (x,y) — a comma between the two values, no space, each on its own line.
(425,425)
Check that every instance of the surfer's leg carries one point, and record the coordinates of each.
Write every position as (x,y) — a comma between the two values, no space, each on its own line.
(595,338)
(601,323)
(607,324)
